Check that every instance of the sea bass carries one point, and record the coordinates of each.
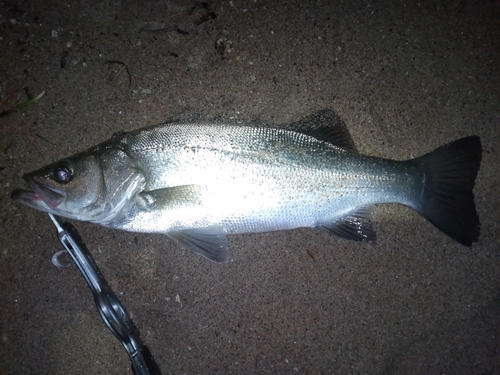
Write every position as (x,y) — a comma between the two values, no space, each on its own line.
(198,182)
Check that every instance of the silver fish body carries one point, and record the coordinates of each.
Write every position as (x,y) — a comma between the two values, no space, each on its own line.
(199,182)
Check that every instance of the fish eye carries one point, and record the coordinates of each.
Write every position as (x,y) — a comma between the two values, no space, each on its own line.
(62,173)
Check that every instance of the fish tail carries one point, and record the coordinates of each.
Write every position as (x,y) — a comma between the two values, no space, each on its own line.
(447,200)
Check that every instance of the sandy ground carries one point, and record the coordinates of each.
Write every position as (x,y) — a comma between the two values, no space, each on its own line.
(406,77)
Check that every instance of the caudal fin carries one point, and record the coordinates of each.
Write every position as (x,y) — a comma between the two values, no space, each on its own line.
(447,200)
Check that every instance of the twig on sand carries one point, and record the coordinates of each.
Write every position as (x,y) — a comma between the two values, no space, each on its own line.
(22,105)
(121,70)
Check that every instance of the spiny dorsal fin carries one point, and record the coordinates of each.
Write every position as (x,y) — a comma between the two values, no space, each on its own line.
(326,126)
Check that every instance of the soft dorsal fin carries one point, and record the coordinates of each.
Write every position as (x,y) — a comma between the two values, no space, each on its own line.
(326,126)
(356,225)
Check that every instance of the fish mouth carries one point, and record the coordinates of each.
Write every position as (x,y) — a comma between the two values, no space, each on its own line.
(39,195)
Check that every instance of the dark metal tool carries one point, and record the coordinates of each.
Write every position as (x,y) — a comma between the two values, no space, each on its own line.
(112,311)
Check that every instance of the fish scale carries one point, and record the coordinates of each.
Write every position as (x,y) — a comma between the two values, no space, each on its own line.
(271,183)
(197,182)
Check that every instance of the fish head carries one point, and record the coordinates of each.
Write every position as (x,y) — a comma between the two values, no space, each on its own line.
(91,186)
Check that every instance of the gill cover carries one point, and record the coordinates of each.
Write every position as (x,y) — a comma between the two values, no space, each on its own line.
(91,186)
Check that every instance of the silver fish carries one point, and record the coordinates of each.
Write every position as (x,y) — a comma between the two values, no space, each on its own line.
(197,182)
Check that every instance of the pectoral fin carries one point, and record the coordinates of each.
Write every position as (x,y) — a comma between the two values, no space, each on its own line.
(210,243)
(182,202)
(355,226)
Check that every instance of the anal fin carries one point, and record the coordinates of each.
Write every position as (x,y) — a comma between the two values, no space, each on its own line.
(356,226)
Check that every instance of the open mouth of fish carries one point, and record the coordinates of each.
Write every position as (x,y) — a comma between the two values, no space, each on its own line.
(38,194)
